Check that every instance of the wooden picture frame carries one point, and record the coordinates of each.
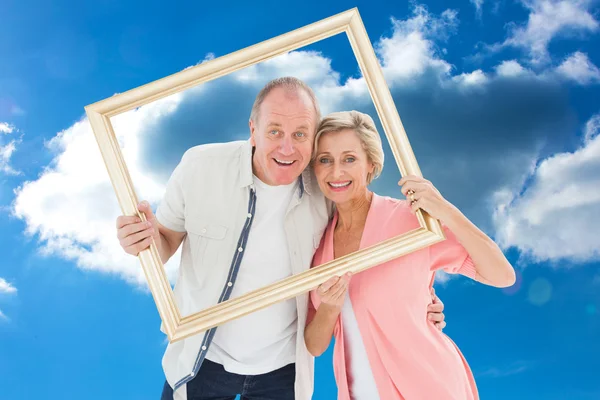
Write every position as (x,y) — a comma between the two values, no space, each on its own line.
(177,327)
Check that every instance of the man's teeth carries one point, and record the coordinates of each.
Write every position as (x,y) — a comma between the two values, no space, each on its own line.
(284,162)
(339,185)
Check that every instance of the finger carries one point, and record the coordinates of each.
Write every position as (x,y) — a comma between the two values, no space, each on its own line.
(436,317)
(324,288)
(136,237)
(144,207)
(140,246)
(432,291)
(436,307)
(413,198)
(126,220)
(131,229)
(340,292)
(339,284)
(416,205)
(407,187)
(409,178)
(414,186)
(440,325)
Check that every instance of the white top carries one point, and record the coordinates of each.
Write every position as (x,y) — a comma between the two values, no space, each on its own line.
(207,196)
(264,340)
(361,381)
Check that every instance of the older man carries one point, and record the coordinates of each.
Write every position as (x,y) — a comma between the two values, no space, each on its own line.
(249,213)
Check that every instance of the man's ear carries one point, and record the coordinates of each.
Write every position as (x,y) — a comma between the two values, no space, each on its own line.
(252,129)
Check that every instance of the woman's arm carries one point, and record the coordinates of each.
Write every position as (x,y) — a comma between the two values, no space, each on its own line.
(319,329)
(492,267)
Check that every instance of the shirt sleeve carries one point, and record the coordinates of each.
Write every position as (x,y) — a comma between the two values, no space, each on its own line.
(170,211)
(451,257)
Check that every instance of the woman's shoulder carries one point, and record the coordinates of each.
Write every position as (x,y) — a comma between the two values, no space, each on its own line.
(393,214)
(390,204)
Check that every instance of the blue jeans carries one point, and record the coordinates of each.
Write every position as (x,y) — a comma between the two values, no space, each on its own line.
(214,383)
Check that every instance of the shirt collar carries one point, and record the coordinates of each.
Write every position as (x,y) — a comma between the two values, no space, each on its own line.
(306,178)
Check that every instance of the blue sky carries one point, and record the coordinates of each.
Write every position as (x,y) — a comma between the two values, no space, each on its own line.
(500,103)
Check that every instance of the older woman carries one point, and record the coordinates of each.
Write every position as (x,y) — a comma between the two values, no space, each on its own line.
(385,348)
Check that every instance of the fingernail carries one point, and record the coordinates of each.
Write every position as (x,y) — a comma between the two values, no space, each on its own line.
(430,317)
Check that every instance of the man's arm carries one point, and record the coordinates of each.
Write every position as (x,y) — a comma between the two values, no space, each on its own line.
(435,312)
(167,240)
(136,236)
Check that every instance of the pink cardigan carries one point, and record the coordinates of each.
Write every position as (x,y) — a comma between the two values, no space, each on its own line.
(410,358)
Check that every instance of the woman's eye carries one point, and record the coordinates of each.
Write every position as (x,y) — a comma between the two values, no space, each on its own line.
(350,159)
(323,160)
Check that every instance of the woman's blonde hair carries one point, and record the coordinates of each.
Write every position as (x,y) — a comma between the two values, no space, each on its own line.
(364,127)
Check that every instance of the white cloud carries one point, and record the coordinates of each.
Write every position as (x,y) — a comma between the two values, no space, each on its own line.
(411,49)
(72,205)
(478,4)
(512,369)
(475,78)
(5,127)
(547,20)
(510,68)
(8,149)
(553,215)
(579,68)
(6,287)
(592,129)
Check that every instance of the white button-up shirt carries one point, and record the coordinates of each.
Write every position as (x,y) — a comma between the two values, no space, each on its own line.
(210,196)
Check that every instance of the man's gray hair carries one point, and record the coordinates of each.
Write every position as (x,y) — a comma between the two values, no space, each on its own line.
(288,83)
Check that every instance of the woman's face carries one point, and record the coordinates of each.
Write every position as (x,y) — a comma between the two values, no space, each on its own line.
(341,166)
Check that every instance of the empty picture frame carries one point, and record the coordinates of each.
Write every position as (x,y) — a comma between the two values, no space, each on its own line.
(177,327)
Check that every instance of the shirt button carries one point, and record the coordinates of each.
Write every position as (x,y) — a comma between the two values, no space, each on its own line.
(229,284)
(203,347)
(203,230)
(240,249)
(192,373)
(249,215)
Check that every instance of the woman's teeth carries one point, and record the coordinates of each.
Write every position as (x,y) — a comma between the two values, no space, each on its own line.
(340,185)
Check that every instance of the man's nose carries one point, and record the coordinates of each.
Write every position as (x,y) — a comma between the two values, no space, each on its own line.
(287,146)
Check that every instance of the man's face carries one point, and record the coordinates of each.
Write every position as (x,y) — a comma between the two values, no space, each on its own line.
(283,136)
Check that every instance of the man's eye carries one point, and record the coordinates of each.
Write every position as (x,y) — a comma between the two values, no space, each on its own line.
(274,132)
(300,134)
